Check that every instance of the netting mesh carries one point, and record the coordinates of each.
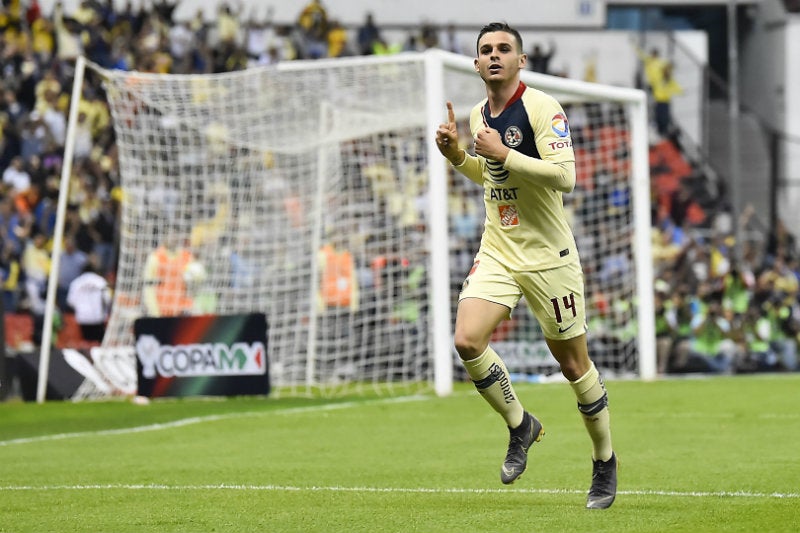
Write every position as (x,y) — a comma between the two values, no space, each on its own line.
(290,193)
(303,193)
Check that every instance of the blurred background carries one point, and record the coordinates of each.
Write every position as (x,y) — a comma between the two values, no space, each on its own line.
(724,136)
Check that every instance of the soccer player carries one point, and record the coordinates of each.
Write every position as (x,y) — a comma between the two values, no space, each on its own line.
(525,163)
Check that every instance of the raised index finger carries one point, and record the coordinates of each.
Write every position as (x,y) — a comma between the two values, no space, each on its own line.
(451,116)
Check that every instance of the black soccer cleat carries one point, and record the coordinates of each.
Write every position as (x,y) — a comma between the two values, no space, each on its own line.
(521,439)
(604,484)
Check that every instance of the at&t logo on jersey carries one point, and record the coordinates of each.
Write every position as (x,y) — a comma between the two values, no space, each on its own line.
(560,125)
(512,137)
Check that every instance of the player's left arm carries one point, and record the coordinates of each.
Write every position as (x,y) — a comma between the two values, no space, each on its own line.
(546,172)
(556,168)
(558,175)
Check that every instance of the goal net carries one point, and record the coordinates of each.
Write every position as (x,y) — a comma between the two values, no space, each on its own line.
(313,192)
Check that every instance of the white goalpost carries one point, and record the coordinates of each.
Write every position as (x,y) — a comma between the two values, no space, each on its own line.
(312,191)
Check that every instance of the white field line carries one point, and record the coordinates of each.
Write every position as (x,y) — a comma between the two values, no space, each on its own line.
(397,490)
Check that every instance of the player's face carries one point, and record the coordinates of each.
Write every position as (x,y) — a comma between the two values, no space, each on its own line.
(498,58)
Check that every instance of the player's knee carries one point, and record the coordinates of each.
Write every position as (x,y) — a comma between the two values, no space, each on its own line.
(573,369)
(468,346)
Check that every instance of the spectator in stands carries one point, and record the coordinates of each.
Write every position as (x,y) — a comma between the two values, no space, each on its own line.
(780,242)
(338,282)
(200,27)
(36,265)
(680,203)
(97,114)
(778,278)
(313,17)
(736,290)
(103,229)
(711,349)
(49,83)
(259,38)
(312,28)
(14,228)
(9,141)
(43,40)
(664,90)
(44,212)
(287,47)
(413,42)
(77,229)
(653,65)
(53,116)
(181,45)
(35,136)
(90,297)
(84,13)
(590,67)
(16,179)
(680,315)
(167,274)
(368,35)
(71,264)
(539,60)
(69,44)
(782,337)
(338,45)
(97,40)
(665,327)
(665,248)
(10,272)
(758,354)
(83,141)
(12,106)
(429,35)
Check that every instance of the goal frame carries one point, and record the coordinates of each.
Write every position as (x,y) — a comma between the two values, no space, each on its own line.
(435,64)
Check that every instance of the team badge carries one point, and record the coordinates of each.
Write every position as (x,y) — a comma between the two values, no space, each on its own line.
(512,137)
(560,125)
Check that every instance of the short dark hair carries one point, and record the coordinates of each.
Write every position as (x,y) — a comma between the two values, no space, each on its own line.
(499,26)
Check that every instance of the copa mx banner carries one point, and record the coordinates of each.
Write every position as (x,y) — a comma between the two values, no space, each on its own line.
(209,355)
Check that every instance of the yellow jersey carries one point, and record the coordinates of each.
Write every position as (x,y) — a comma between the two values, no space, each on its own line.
(526,227)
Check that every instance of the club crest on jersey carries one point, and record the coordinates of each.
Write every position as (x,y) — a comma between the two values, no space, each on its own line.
(560,125)
(513,137)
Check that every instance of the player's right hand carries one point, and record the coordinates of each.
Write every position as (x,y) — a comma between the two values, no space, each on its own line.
(447,138)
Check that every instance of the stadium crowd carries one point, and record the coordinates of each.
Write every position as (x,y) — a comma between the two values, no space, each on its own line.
(719,307)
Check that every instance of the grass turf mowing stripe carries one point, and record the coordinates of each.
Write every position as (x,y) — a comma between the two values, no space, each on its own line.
(210,418)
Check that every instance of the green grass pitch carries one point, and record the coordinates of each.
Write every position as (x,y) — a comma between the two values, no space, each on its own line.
(697,455)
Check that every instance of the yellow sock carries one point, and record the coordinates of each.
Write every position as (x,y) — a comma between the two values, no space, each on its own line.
(593,405)
(491,378)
